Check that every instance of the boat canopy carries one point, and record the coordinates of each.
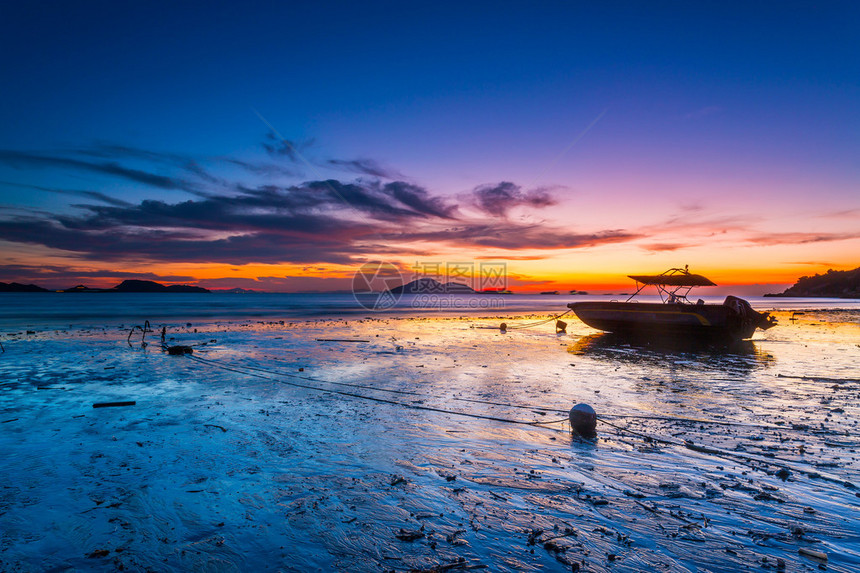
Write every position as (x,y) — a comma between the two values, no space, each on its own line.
(681,279)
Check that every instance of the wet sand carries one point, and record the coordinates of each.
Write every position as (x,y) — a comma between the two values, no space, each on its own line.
(428,444)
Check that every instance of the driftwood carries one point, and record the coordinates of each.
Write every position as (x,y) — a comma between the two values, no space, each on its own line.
(113,404)
(812,553)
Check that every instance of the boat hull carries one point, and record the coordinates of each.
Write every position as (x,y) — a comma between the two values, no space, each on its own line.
(726,322)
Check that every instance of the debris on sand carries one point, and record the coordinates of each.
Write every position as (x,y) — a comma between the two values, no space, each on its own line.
(820,555)
(179,350)
(460,565)
(409,534)
(113,404)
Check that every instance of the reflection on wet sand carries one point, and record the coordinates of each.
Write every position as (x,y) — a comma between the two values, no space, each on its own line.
(301,447)
(743,355)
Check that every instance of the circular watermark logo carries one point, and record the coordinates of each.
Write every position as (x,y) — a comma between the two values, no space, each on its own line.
(372,285)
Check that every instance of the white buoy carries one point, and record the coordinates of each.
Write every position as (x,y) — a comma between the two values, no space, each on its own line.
(583,420)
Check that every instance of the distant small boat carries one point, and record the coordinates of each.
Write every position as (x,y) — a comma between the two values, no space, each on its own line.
(550,292)
(676,316)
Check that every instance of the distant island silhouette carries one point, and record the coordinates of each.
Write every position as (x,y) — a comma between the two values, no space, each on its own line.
(432,286)
(18,287)
(832,284)
(124,286)
(140,286)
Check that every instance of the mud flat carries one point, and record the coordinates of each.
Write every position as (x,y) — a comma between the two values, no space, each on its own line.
(428,444)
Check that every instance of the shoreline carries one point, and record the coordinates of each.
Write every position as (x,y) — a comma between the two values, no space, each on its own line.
(29,312)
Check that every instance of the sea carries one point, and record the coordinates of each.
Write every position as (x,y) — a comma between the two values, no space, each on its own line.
(321,432)
(57,310)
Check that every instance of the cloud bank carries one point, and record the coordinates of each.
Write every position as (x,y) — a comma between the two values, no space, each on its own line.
(233,221)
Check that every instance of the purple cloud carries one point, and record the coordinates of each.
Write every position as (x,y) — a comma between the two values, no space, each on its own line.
(500,198)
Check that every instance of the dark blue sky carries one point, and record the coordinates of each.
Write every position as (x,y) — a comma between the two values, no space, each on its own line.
(178,73)
(602,101)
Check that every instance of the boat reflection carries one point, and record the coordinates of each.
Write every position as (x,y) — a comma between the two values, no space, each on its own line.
(743,355)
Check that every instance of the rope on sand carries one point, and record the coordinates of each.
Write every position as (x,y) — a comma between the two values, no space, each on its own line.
(560,325)
(719,452)
(544,424)
(536,423)
(688,444)
(545,409)
(532,324)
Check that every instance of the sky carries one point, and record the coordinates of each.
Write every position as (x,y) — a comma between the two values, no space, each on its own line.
(281,146)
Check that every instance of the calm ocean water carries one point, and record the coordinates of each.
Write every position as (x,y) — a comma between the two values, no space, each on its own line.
(55,310)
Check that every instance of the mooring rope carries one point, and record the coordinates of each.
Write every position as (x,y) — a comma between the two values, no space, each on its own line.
(508,404)
(688,444)
(536,423)
(719,452)
(501,404)
(527,325)
(544,424)
(532,324)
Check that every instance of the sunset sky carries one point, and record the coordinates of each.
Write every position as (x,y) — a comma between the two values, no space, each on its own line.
(280,147)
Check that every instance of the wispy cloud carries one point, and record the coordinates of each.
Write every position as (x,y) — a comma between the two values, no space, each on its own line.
(505,235)
(23,160)
(664,247)
(364,167)
(263,168)
(842,214)
(800,238)
(278,147)
(812,263)
(509,257)
(231,221)
(497,199)
(114,151)
(689,224)
(98,196)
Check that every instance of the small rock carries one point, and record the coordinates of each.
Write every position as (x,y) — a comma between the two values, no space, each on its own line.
(409,534)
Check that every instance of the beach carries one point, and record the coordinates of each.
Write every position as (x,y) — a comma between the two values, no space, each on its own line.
(428,441)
